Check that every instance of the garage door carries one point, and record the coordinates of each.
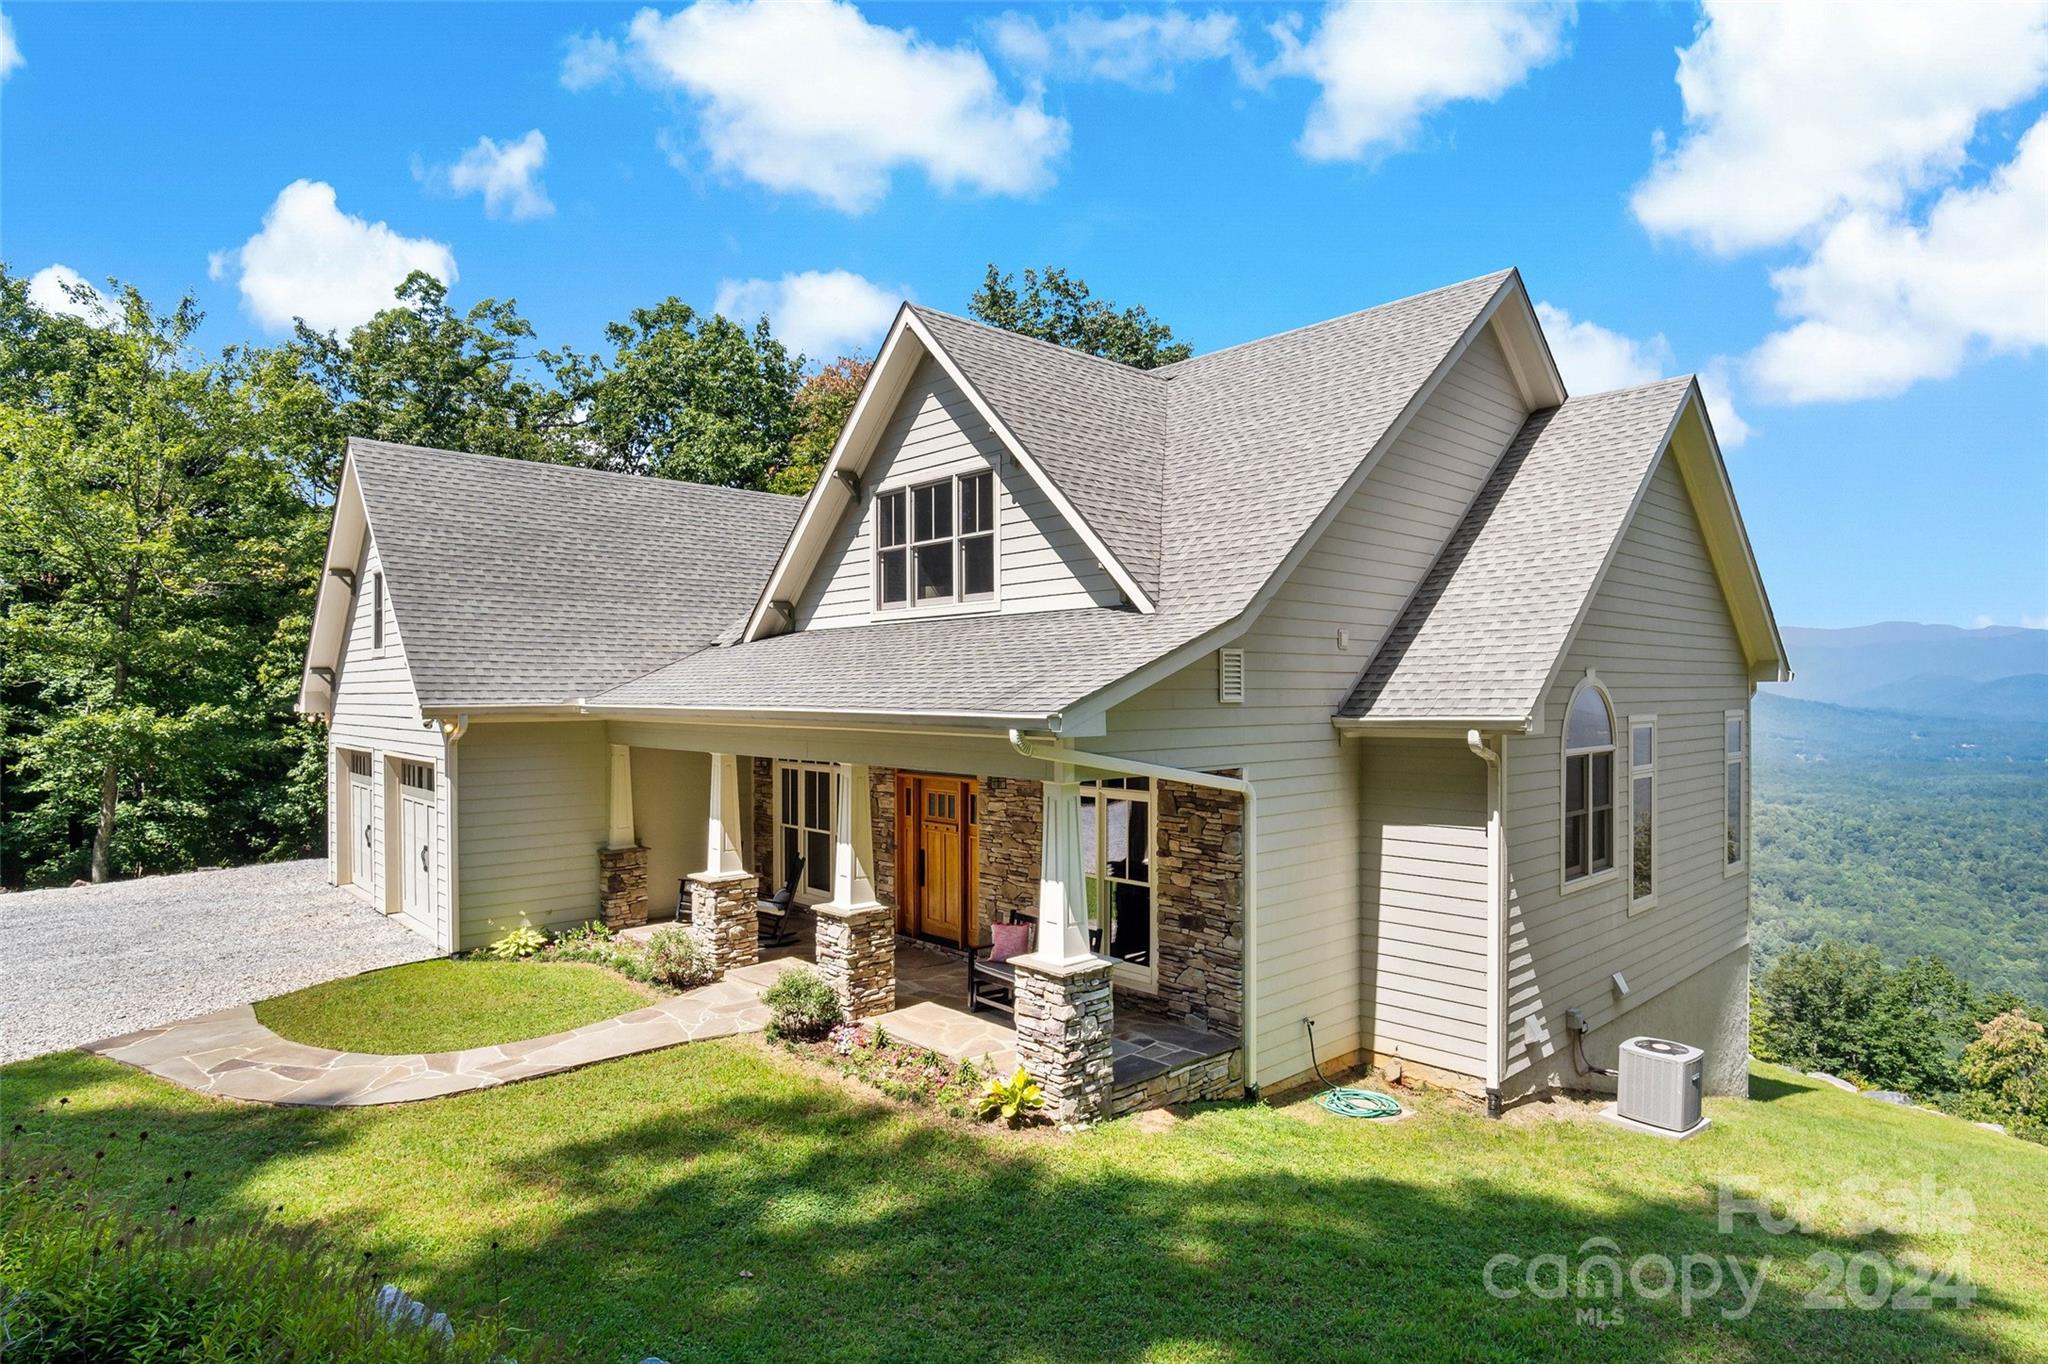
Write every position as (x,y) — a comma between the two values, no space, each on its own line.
(416,841)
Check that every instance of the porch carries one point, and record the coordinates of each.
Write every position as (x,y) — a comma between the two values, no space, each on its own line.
(1120,897)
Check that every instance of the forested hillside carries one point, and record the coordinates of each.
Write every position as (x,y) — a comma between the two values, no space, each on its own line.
(1916,834)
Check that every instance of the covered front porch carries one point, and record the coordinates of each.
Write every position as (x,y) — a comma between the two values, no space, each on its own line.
(1117,901)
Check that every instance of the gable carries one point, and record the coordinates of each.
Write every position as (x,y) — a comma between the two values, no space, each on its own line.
(935,433)
(373,692)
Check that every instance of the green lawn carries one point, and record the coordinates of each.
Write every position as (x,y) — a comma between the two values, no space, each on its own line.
(448,1005)
(717,1202)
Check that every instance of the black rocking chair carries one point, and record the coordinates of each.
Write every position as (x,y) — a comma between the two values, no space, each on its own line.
(773,917)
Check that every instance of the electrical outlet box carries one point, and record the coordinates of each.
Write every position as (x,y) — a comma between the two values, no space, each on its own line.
(1575,1020)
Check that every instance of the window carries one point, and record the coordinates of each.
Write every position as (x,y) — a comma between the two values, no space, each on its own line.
(1642,810)
(1588,783)
(1116,854)
(1734,756)
(935,544)
(416,776)
(805,807)
(377,612)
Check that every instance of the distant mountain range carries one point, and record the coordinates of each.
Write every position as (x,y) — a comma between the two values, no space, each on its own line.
(1997,672)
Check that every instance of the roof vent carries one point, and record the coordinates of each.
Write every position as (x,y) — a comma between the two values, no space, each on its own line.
(1230,676)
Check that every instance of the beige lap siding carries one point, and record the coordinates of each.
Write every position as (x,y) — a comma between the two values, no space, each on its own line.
(376,711)
(535,809)
(1660,639)
(1308,929)
(1426,932)
(1041,562)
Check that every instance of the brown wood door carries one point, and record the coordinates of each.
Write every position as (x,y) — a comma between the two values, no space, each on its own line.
(939,894)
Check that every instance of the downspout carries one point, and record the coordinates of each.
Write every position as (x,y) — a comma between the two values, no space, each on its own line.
(1045,751)
(1496,1019)
(451,734)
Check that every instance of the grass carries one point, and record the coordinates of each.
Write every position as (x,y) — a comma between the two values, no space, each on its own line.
(720,1201)
(448,1005)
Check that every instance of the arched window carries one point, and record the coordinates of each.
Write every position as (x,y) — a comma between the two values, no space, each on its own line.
(1588,782)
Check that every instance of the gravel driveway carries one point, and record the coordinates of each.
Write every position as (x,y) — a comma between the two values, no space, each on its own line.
(93,962)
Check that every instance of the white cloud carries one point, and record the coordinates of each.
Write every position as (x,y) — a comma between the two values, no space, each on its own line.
(1796,114)
(1594,359)
(813,98)
(53,287)
(506,174)
(589,59)
(333,269)
(10,50)
(1882,303)
(1981,621)
(1138,47)
(1385,66)
(822,313)
(2030,621)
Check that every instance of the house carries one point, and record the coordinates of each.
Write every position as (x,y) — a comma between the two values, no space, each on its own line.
(1353,675)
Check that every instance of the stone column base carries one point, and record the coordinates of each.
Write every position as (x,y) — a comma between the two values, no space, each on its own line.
(857,954)
(1065,1020)
(722,914)
(622,886)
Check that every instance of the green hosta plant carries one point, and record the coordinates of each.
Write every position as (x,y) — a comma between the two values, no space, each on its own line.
(1013,1100)
(520,943)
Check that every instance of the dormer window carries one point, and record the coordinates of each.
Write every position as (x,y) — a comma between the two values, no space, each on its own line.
(935,543)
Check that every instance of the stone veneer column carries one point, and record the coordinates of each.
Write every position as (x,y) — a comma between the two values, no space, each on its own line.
(857,955)
(622,886)
(722,914)
(1065,1020)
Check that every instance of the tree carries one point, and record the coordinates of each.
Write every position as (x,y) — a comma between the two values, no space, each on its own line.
(1056,307)
(689,397)
(423,374)
(2008,1064)
(822,406)
(149,547)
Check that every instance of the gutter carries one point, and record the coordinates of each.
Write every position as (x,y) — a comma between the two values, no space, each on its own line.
(1496,913)
(1049,750)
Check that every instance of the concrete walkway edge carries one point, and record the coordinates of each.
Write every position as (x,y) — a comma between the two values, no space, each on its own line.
(228,1054)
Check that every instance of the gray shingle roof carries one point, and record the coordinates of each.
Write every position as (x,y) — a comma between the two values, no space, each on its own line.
(1496,610)
(520,583)
(1258,440)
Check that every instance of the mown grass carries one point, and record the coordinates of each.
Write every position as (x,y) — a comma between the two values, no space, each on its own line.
(718,1201)
(447,1005)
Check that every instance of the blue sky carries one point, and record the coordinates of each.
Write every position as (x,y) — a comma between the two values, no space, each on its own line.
(1838,216)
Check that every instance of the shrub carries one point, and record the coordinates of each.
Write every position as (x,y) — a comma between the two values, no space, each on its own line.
(801,1005)
(677,958)
(89,1281)
(520,943)
(593,935)
(1014,1100)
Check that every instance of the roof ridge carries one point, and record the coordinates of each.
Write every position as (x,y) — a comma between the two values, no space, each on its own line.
(1682,379)
(1341,317)
(644,480)
(1075,351)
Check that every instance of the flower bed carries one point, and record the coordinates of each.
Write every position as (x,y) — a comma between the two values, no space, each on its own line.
(915,1075)
(672,960)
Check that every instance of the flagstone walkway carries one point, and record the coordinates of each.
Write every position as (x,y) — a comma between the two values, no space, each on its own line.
(230,1055)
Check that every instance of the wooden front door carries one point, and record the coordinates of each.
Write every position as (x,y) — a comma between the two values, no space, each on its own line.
(938,862)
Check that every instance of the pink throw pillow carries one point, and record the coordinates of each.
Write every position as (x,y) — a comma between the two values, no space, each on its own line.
(1011,940)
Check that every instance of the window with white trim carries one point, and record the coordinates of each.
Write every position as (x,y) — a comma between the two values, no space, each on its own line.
(1735,761)
(805,807)
(377,612)
(1588,783)
(935,543)
(1117,836)
(1642,811)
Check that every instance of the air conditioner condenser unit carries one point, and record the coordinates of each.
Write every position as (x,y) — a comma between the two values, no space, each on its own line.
(1659,1085)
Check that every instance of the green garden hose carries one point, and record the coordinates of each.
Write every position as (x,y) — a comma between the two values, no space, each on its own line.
(1345,1101)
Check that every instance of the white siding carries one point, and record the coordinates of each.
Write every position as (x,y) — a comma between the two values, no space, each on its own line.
(1309,932)
(377,712)
(1425,851)
(1660,639)
(535,810)
(1040,562)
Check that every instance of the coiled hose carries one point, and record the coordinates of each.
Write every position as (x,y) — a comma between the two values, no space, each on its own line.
(1344,1100)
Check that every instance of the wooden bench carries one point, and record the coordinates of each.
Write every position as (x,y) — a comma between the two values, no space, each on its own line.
(990,984)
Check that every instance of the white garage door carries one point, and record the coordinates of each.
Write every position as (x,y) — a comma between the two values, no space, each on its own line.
(416,841)
(359,865)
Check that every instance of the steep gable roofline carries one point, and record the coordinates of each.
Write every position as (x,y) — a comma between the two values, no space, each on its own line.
(1510,302)
(909,341)
(327,637)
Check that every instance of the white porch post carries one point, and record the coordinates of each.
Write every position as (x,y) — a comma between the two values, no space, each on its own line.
(622,862)
(1064,1003)
(856,933)
(723,894)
